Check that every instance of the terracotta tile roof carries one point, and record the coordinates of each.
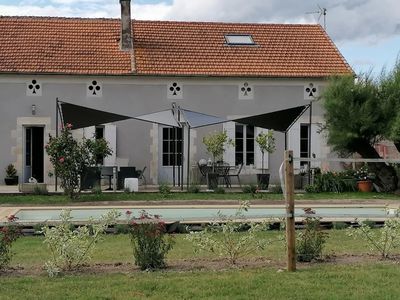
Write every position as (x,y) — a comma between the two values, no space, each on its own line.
(91,46)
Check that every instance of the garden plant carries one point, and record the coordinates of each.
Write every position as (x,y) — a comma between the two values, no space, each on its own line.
(215,144)
(8,235)
(383,240)
(231,237)
(71,247)
(71,158)
(266,143)
(150,241)
(311,240)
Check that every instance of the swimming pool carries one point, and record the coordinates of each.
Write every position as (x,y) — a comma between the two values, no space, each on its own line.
(196,214)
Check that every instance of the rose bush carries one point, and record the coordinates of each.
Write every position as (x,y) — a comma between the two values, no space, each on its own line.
(71,158)
(149,240)
(8,235)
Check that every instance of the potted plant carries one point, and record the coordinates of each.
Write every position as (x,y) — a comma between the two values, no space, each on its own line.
(11,175)
(364,179)
(215,144)
(266,143)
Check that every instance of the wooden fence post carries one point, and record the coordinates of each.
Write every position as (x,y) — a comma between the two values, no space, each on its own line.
(290,225)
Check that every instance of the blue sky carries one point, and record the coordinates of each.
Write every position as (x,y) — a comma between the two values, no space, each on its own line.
(367,32)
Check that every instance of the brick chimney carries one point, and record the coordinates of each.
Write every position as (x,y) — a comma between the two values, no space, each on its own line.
(126,26)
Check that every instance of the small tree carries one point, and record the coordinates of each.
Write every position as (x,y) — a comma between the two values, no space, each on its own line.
(215,144)
(357,117)
(266,143)
(71,158)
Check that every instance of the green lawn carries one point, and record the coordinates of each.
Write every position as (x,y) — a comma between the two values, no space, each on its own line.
(369,281)
(63,200)
(372,279)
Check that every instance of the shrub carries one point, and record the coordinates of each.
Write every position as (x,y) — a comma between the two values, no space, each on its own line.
(9,233)
(333,182)
(223,237)
(164,190)
(71,158)
(310,241)
(71,247)
(149,241)
(383,239)
(310,188)
(249,189)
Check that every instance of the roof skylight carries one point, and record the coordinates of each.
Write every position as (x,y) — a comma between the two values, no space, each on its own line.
(239,39)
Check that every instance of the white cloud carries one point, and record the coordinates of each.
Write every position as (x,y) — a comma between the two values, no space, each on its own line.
(8,10)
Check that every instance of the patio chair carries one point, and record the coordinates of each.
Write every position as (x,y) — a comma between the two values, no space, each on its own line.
(109,173)
(203,172)
(141,177)
(222,169)
(236,174)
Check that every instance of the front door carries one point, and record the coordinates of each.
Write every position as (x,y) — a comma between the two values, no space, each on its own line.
(34,153)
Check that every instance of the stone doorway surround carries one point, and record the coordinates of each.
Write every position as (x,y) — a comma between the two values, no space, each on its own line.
(18,149)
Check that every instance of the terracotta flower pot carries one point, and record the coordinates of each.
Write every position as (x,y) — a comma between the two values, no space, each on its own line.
(364,186)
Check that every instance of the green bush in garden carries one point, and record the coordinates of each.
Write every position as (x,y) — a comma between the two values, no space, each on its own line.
(9,233)
(71,158)
(150,241)
(71,247)
(232,237)
(336,182)
(310,241)
(383,240)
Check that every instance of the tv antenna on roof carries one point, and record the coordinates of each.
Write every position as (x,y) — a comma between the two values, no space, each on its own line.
(321,12)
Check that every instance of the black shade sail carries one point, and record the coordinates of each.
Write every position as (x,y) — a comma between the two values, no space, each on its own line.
(280,120)
(80,116)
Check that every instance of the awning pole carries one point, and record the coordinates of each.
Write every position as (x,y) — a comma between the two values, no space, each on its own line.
(286,141)
(309,144)
(188,159)
(182,156)
(174,158)
(55,171)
